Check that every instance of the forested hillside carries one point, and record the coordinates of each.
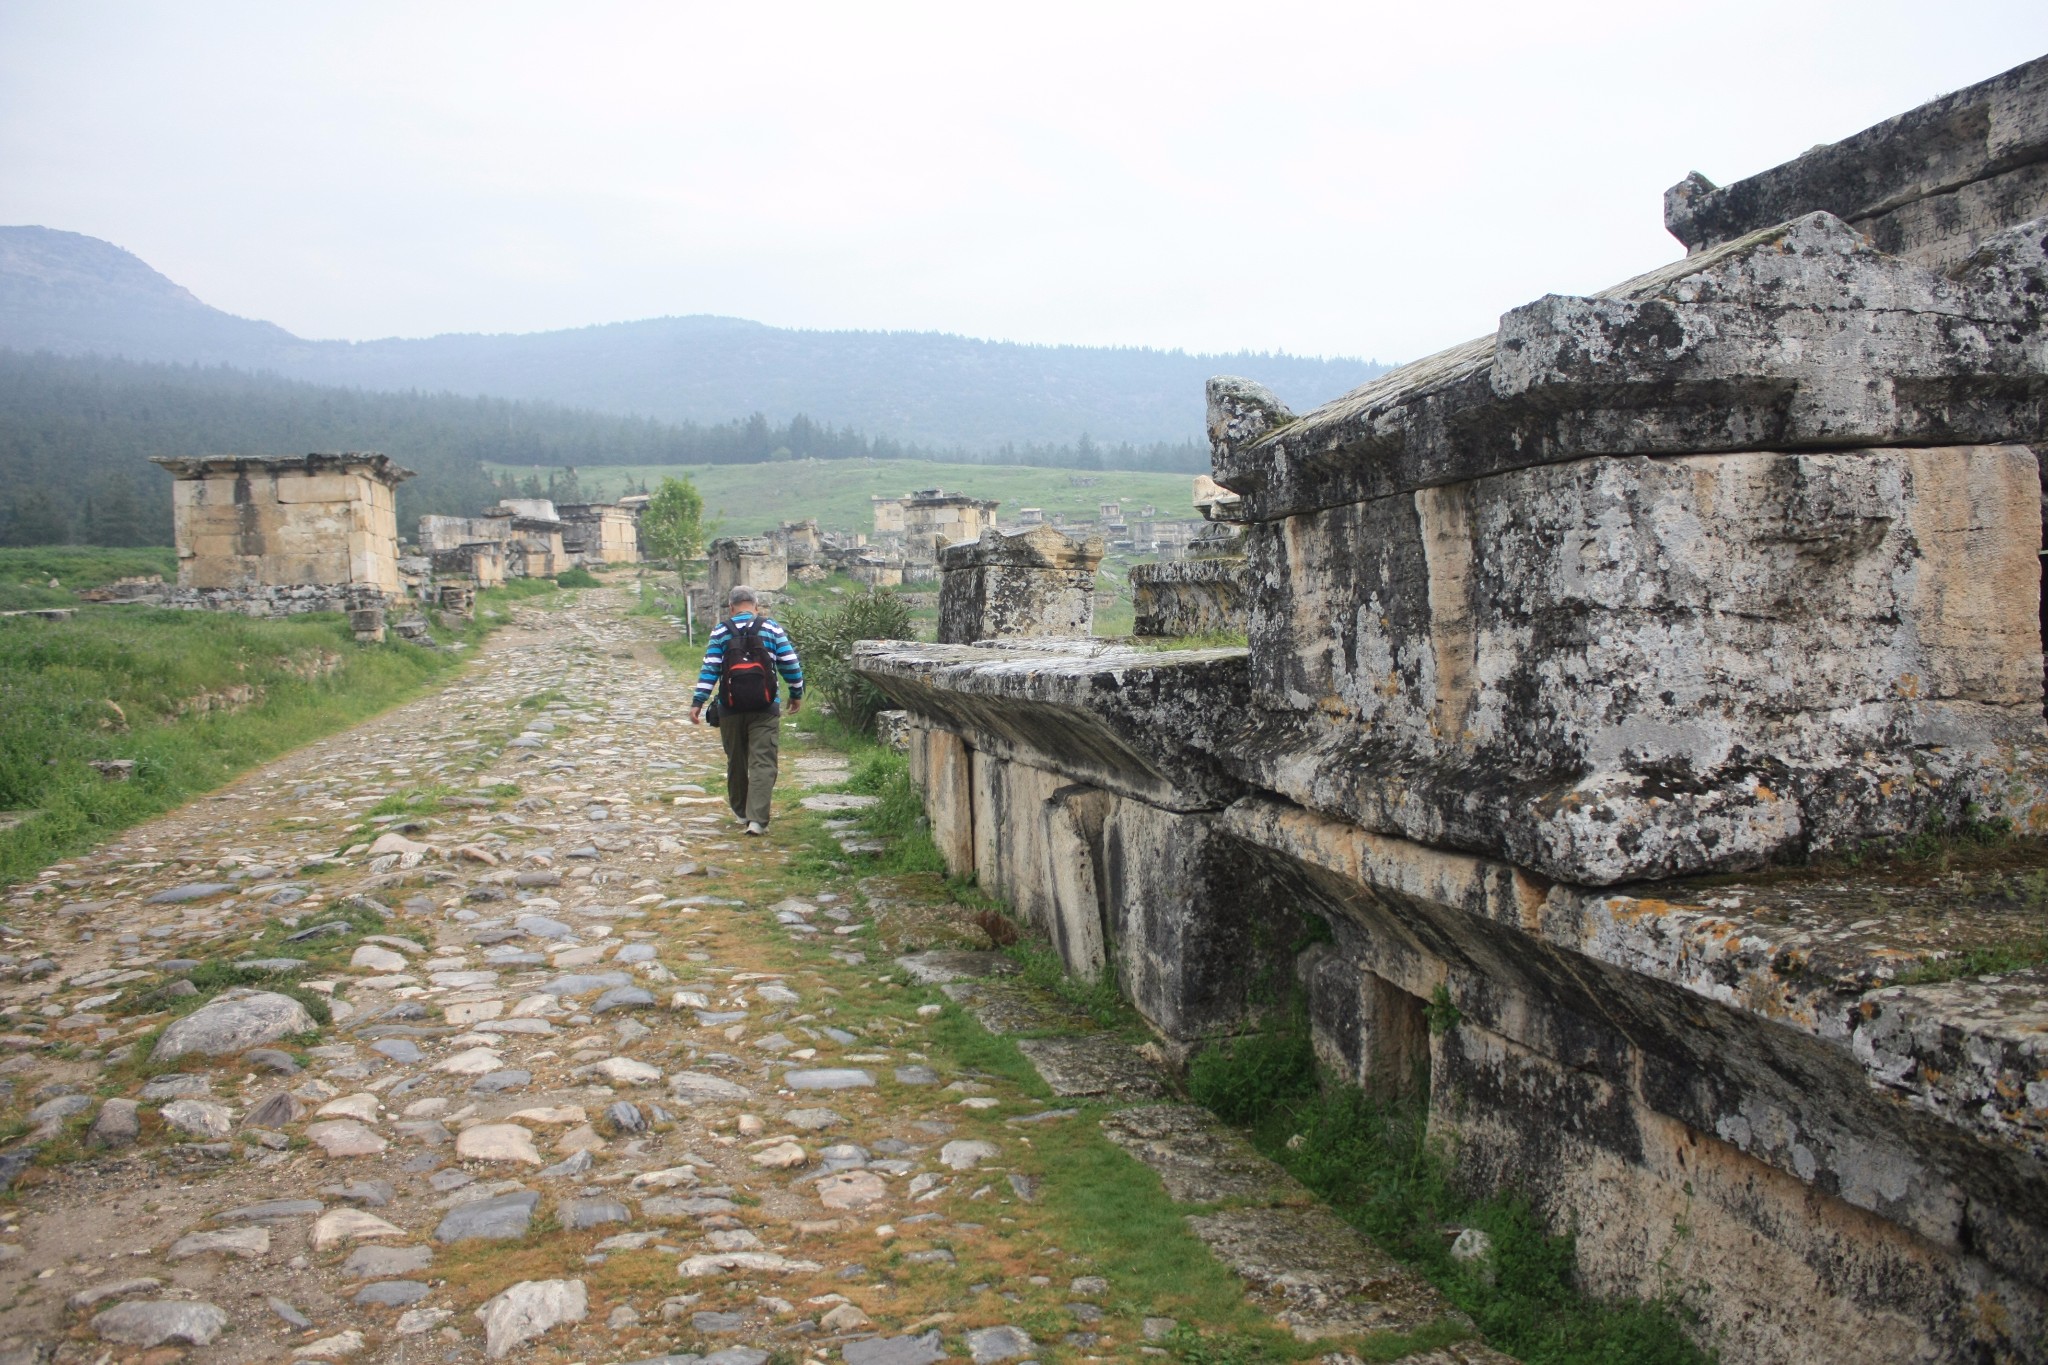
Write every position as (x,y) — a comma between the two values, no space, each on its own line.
(76,434)
(74,295)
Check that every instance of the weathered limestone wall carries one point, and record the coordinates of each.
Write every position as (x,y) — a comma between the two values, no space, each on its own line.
(1576,659)
(1734,563)
(1191,597)
(258,522)
(1111,879)
(1036,582)
(1583,667)
(536,549)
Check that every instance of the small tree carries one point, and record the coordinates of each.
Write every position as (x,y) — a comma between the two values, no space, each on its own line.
(673,524)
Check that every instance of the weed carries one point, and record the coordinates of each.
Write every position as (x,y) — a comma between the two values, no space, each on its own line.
(1442,1013)
(1243,1079)
(1372,1161)
(578,577)
(1100,999)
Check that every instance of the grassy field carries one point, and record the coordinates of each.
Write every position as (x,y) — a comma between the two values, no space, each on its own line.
(749,499)
(192,697)
(25,574)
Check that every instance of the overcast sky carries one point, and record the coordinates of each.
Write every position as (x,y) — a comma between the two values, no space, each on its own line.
(1337,178)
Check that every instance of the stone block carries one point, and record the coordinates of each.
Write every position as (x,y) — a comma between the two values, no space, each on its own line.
(1928,184)
(940,766)
(1036,582)
(314,488)
(1801,335)
(1141,723)
(1585,667)
(1191,597)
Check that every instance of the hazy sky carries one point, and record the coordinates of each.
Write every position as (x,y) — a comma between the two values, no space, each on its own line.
(1324,178)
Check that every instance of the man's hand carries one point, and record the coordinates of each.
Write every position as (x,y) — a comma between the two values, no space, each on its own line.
(697,714)
(796,704)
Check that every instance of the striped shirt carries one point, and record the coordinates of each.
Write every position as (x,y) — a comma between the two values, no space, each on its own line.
(773,638)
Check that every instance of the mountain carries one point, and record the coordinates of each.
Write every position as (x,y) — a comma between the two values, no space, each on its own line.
(71,294)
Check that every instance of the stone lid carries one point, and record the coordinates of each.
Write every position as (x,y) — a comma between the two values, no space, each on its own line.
(379,467)
(1801,335)
(1041,547)
(1989,128)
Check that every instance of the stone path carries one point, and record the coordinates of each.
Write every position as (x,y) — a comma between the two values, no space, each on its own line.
(598,1079)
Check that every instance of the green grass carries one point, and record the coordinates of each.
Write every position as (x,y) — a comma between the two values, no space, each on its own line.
(1992,959)
(1372,1162)
(749,500)
(25,573)
(128,683)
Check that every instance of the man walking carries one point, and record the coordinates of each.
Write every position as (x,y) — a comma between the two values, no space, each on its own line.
(741,661)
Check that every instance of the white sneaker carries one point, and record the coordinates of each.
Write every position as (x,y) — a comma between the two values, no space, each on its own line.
(756,827)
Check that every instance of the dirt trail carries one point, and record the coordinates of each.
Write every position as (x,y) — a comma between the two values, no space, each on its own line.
(596,1065)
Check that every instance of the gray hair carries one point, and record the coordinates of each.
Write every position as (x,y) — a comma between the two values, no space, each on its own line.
(741,593)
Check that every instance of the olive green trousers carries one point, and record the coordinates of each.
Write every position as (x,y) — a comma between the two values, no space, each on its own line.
(753,752)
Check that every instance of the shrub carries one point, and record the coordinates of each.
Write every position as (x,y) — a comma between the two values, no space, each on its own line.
(825,640)
(578,577)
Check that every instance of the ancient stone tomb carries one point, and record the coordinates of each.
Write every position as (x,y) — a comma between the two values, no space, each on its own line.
(260,521)
(1574,653)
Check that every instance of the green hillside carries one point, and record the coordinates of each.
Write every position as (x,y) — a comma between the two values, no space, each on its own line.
(751,499)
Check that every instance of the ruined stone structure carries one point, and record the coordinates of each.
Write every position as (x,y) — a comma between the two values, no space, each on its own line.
(252,522)
(802,545)
(600,533)
(438,533)
(1036,582)
(534,547)
(481,564)
(888,516)
(1554,637)
(874,569)
(761,562)
(1191,597)
(934,519)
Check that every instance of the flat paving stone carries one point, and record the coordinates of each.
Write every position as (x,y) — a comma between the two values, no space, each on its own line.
(272,1210)
(1200,1160)
(918,1350)
(375,1262)
(830,1078)
(392,1293)
(577,1214)
(500,1218)
(943,965)
(1006,1007)
(1093,1064)
(1318,1275)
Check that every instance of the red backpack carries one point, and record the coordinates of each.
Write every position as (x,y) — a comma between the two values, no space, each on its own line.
(748,683)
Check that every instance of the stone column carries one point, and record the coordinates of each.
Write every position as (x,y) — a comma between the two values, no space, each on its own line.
(1037,582)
